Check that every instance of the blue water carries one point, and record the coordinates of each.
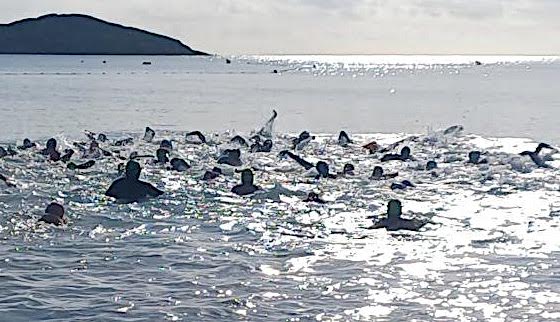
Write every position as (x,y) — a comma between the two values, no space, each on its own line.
(199,253)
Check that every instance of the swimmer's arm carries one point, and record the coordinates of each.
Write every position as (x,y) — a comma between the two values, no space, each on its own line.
(153,191)
(111,191)
(378,224)
(413,225)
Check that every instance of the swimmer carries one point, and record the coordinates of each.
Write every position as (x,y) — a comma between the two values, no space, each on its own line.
(212,174)
(403,156)
(161,156)
(348,169)
(402,186)
(266,146)
(68,153)
(195,137)
(307,165)
(394,222)
(27,144)
(535,156)
(166,144)
(179,165)
(124,142)
(54,215)
(247,186)
(372,147)
(302,140)
(130,189)
(51,151)
(82,166)
(323,169)
(431,165)
(378,174)
(239,140)
(314,197)
(344,139)
(474,158)
(231,157)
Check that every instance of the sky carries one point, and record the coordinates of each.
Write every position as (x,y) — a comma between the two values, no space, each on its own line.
(328,26)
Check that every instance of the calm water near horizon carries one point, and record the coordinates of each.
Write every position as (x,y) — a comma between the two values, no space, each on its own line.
(508,96)
(491,251)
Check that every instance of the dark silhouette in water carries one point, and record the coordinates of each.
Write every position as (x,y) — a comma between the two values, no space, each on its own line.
(231,157)
(82,166)
(307,165)
(3,152)
(5,180)
(50,151)
(431,165)
(124,142)
(266,146)
(348,169)
(378,174)
(195,137)
(130,189)
(302,140)
(403,156)
(68,153)
(75,34)
(372,147)
(166,144)
(212,174)
(27,144)
(179,165)
(394,222)
(246,187)
(149,134)
(535,157)
(54,215)
(474,158)
(11,152)
(314,197)
(402,186)
(102,138)
(323,170)
(239,140)
(344,139)
(161,156)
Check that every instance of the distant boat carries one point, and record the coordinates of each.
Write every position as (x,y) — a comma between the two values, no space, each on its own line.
(228,61)
(147,63)
(477,63)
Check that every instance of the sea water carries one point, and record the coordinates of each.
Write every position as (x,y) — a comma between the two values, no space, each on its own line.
(199,253)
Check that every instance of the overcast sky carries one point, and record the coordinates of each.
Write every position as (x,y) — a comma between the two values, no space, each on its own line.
(329,26)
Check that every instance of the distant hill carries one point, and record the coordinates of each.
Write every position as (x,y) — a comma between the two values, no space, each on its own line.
(75,34)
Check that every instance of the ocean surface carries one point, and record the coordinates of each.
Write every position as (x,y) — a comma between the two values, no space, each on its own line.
(200,253)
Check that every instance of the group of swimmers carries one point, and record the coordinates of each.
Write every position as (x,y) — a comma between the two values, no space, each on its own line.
(129,188)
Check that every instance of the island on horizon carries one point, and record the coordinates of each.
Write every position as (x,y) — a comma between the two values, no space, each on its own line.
(77,34)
